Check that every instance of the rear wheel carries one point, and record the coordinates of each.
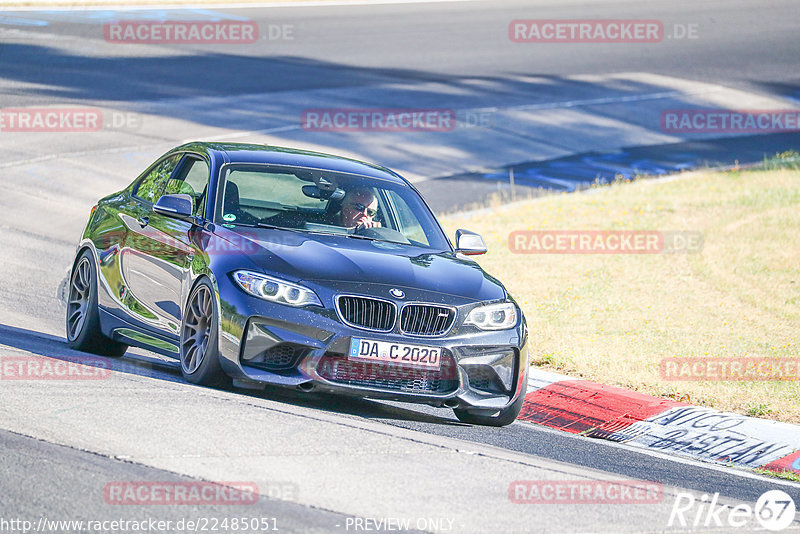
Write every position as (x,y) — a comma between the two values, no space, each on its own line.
(83,318)
(199,350)
(506,416)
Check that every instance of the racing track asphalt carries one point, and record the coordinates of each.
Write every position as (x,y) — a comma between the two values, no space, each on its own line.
(56,57)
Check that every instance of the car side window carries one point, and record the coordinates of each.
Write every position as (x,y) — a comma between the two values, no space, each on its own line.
(409,224)
(193,181)
(151,186)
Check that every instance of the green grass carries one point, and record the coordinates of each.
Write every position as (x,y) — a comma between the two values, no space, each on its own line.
(759,410)
(612,317)
(784,475)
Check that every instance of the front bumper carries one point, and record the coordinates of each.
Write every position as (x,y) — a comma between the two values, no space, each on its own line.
(307,348)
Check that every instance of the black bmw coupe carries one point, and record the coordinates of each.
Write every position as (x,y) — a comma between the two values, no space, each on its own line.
(269,265)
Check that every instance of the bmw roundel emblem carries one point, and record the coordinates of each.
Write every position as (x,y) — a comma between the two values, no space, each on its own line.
(396,293)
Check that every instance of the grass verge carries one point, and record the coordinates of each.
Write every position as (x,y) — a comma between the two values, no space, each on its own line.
(784,475)
(613,318)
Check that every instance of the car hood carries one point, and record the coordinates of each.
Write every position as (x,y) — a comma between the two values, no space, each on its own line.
(326,258)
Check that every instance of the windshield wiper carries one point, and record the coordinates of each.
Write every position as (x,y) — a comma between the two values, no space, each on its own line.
(359,236)
(275,227)
(306,231)
(298,230)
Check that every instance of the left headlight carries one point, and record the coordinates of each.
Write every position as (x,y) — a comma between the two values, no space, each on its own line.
(275,289)
(494,316)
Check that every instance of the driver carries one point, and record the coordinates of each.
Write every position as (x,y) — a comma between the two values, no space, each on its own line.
(359,206)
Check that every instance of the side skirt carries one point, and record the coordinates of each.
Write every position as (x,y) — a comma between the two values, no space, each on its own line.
(125,332)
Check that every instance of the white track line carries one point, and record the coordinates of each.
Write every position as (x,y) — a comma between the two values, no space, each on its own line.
(730,470)
(68,6)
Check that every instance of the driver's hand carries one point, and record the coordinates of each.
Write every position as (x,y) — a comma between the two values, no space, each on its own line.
(368,224)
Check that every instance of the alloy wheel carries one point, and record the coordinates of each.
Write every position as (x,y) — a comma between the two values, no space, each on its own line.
(78,302)
(196,330)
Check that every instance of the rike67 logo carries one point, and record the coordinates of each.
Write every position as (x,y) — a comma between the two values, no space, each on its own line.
(774,511)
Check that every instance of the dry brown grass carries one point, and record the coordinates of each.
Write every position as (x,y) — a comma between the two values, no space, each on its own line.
(613,318)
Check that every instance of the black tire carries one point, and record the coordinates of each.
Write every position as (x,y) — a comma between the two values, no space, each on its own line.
(83,319)
(199,348)
(506,416)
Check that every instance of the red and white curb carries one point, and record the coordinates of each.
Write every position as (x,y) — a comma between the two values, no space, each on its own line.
(616,414)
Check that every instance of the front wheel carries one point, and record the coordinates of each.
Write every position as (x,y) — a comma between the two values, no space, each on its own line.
(83,318)
(199,349)
(506,416)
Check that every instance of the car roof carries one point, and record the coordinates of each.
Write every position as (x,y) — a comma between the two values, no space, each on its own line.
(253,153)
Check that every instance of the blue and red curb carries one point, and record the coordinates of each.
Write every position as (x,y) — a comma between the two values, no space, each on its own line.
(667,426)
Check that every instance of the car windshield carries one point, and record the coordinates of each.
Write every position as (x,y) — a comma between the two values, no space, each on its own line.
(318,201)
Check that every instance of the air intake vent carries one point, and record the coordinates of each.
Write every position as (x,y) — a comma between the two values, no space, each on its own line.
(362,312)
(426,319)
(389,376)
(277,358)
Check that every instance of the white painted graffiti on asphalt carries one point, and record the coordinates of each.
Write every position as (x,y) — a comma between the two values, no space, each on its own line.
(714,435)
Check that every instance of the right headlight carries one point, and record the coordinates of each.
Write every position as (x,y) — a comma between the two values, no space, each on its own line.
(499,316)
(275,289)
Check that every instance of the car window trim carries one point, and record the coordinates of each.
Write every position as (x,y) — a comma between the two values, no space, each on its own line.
(137,183)
(188,155)
(390,209)
(222,179)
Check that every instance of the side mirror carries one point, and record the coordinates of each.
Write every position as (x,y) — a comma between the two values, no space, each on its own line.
(175,206)
(469,243)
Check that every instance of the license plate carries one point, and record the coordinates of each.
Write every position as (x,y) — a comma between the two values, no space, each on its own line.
(399,353)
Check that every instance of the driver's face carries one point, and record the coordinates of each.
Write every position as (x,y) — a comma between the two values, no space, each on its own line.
(356,209)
